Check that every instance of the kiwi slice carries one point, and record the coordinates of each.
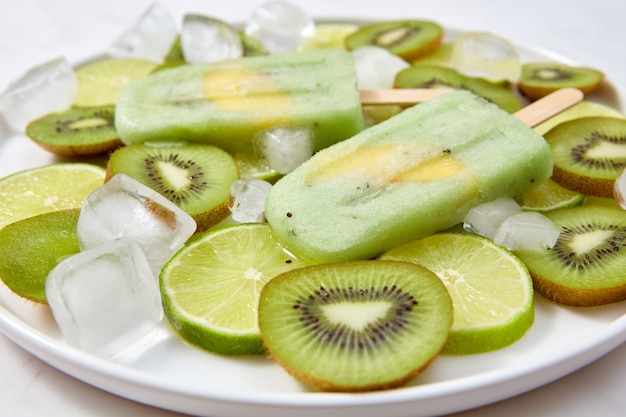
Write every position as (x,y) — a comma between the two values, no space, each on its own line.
(31,247)
(409,39)
(589,154)
(355,326)
(196,177)
(76,131)
(538,79)
(432,76)
(587,265)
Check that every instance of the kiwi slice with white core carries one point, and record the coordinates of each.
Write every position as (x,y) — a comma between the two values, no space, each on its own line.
(409,39)
(76,131)
(539,79)
(432,76)
(589,154)
(587,265)
(31,247)
(196,177)
(355,326)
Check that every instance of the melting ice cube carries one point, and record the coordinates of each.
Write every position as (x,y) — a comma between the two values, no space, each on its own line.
(46,88)
(150,37)
(527,230)
(485,219)
(280,25)
(205,39)
(125,208)
(249,199)
(105,298)
(284,148)
(376,67)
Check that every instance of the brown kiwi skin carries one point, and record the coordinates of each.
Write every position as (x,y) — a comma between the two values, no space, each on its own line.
(587,297)
(597,187)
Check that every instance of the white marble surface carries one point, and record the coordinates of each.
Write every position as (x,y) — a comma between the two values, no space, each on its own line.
(589,32)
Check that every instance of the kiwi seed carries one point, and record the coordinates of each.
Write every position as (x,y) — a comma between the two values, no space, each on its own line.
(77,131)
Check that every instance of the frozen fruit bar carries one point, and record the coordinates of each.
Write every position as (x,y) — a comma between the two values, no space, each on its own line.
(226,103)
(413,175)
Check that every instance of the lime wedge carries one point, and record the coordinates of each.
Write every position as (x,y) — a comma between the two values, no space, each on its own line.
(249,165)
(47,188)
(550,195)
(211,287)
(100,82)
(491,289)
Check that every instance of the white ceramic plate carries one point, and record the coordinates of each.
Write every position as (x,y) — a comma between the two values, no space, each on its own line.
(167,373)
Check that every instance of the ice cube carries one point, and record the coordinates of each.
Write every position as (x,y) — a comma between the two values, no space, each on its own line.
(125,208)
(105,298)
(205,39)
(527,230)
(283,148)
(150,37)
(376,67)
(280,26)
(485,219)
(249,199)
(46,88)
(484,55)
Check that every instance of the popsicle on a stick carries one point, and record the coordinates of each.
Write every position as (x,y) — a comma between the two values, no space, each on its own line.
(415,174)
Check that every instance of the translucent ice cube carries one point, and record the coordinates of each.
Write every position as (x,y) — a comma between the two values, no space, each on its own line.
(376,67)
(284,148)
(105,298)
(46,88)
(485,219)
(249,199)
(280,25)
(205,39)
(150,37)
(125,208)
(482,54)
(527,230)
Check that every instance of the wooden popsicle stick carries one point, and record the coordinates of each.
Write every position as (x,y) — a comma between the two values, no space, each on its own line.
(400,95)
(533,114)
(548,106)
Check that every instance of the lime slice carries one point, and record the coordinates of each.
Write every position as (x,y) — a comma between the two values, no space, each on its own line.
(47,188)
(491,289)
(211,287)
(585,108)
(328,35)
(549,195)
(250,166)
(100,82)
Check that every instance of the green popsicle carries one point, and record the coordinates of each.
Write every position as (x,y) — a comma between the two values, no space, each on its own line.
(413,175)
(226,103)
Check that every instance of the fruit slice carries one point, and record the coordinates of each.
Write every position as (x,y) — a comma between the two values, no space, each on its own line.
(77,131)
(586,266)
(585,108)
(549,195)
(47,188)
(195,177)
(328,35)
(211,287)
(355,326)
(589,154)
(539,79)
(100,82)
(409,39)
(249,165)
(31,247)
(491,290)
(424,76)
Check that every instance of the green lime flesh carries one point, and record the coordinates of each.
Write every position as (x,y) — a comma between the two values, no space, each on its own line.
(586,266)
(549,195)
(355,326)
(491,289)
(211,287)
(31,247)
